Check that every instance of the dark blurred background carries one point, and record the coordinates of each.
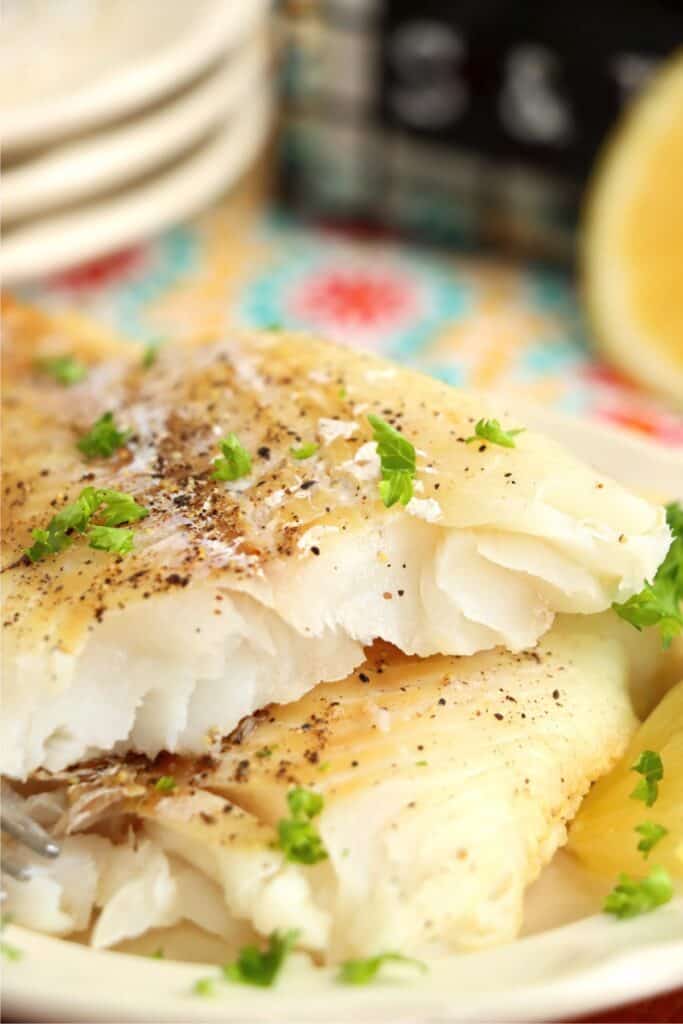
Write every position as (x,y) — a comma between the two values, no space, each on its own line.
(465,122)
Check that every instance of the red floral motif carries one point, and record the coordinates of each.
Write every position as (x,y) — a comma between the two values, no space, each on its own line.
(648,421)
(619,401)
(350,298)
(104,270)
(599,373)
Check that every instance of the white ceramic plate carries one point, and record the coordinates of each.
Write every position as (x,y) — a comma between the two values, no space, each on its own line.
(109,158)
(64,239)
(70,65)
(573,970)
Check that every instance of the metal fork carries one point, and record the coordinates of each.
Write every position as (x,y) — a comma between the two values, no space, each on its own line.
(17,822)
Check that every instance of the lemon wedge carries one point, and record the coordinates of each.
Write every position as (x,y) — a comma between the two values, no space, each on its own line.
(604,834)
(632,246)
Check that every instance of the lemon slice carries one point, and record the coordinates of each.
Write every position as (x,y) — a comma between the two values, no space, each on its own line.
(603,835)
(632,252)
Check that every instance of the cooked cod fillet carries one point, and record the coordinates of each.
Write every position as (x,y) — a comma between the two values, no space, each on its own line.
(242,593)
(447,785)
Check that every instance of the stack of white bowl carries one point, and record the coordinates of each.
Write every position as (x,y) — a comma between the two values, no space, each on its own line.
(120,117)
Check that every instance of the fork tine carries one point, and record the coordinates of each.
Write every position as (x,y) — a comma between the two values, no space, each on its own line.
(15,820)
(21,872)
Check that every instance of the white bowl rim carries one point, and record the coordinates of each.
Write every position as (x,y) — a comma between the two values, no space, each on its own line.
(225,23)
(79,169)
(62,240)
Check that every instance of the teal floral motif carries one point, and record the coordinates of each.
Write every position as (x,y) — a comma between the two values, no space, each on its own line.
(449,374)
(550,291)
(119,289)
(556,356)
(387,299)
(171,257)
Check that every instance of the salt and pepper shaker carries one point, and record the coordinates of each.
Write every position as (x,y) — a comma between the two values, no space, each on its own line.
(461,122)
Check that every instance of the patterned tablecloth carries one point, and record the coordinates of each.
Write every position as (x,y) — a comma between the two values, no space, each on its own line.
(471,322)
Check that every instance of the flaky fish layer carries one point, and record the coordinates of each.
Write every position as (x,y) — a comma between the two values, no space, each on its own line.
(246,592)
(447,785)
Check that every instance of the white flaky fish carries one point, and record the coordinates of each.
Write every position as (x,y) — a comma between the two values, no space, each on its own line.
(447,784)
(245,592)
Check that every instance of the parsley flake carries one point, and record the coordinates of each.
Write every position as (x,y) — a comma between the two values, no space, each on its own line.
(397,462)
(298,836)
(120,508)
(111,538)
(103,438)
(165,784)
(261,967)
(652,834)
(205,987)
(396,487)
(659,602)
(360,972)
(235,462)
(65,369)
(305,451)
(7,950)
(491,430)
(150,355)
(113,507)
(650,766)
(71,519)
(632,896)
(304,802)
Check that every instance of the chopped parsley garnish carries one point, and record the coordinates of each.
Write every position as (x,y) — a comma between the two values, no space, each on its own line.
(633,896)
(65,369)
(165,784)
(158,954)
(205,987)
(650,766)
(305,451)
(71,519)
(659,602)
(397,462)
(103,438)
(298,836)
(111,538)
(652,834)
(261,967)
(360,972)
(119,508)
(150,355)
(396,487)
(235,462)
(304,802)
(7,950)
(491,430)
(266,751)
(112,507)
